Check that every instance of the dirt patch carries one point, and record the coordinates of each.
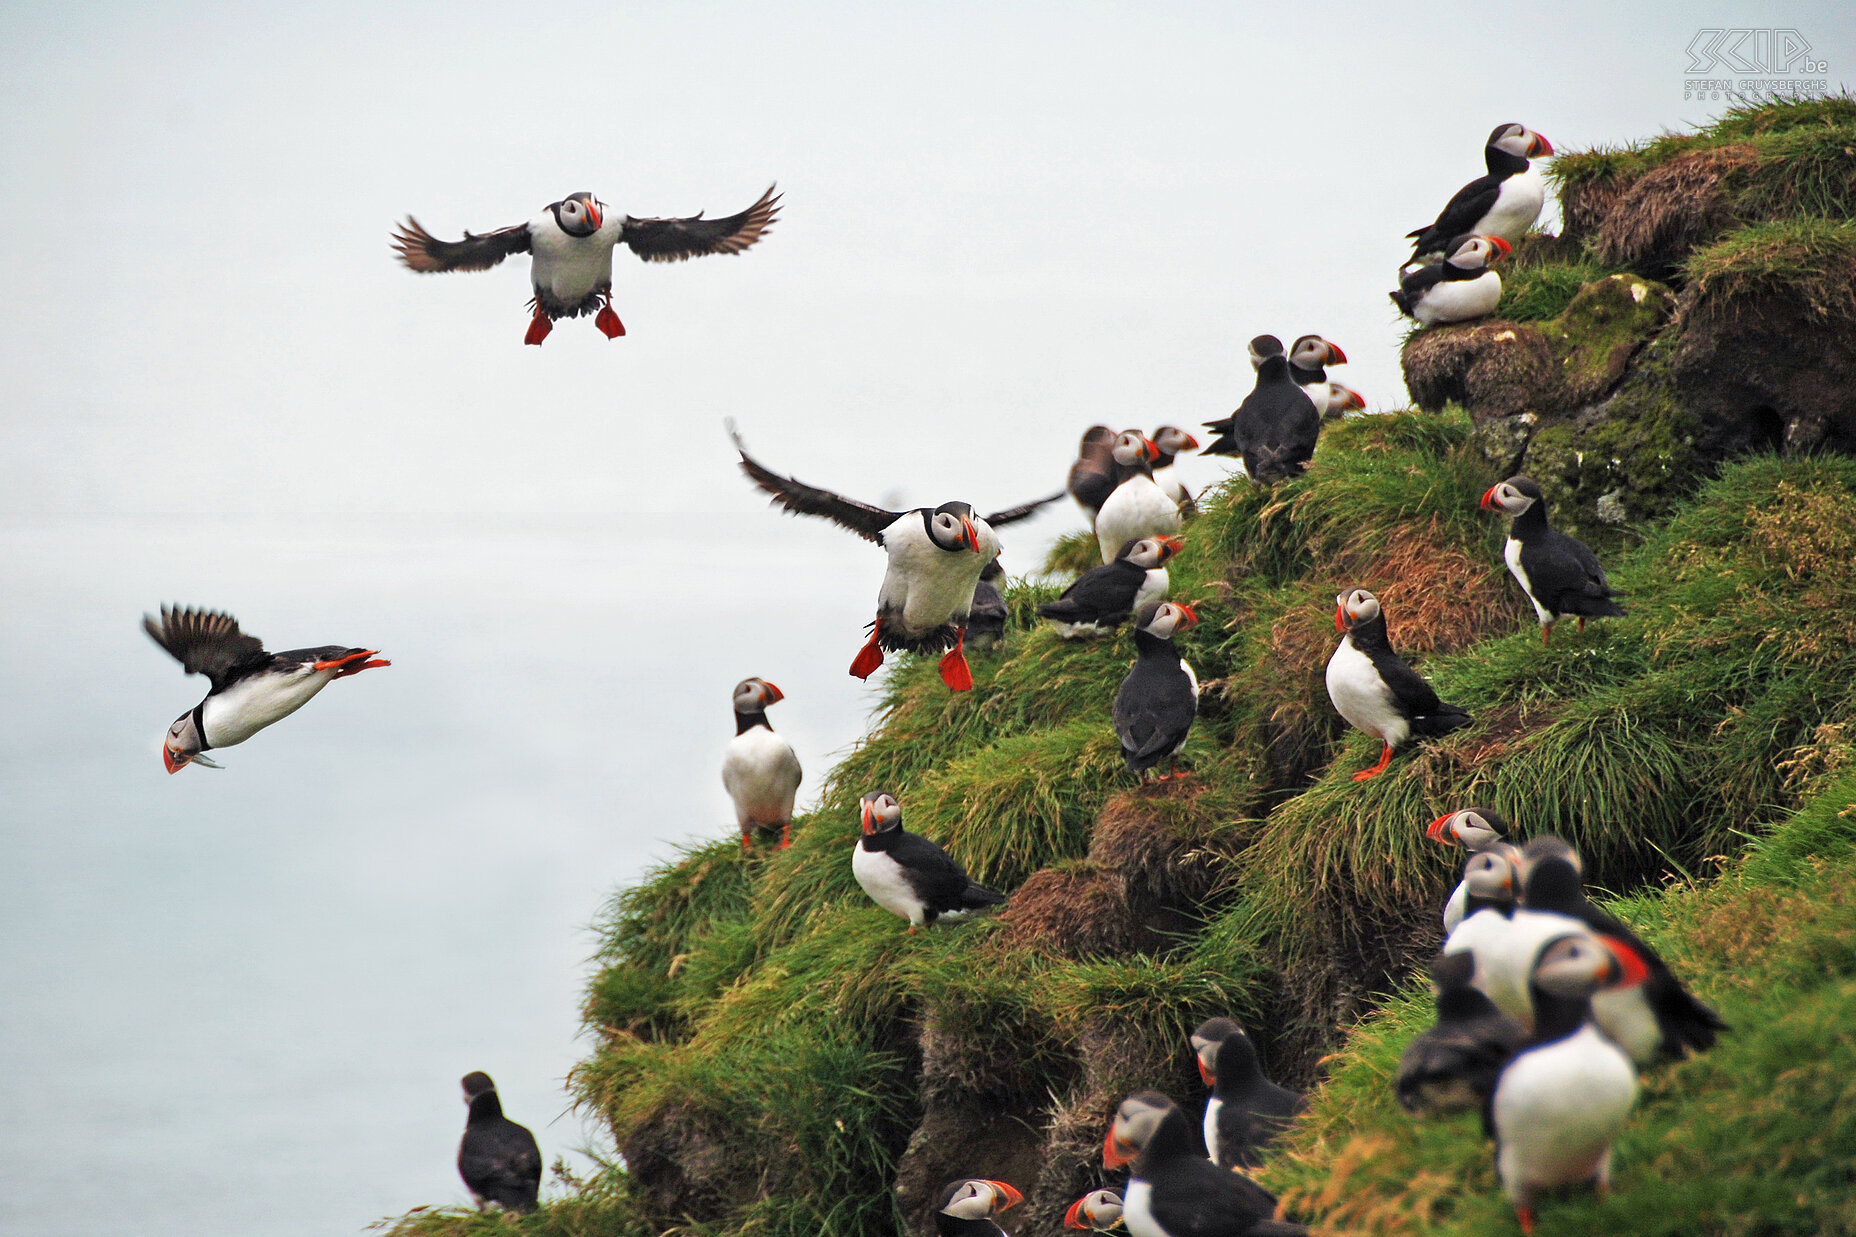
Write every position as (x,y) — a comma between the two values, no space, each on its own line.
(1074,913)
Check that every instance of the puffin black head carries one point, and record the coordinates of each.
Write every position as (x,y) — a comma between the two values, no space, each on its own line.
(950,527)
(1165,619)
(1148,553)
(1513,496)
(1206,1041)
(1354,608)
(476,1083)
(1133,447)
(579,214)
(881,812)
(1551,880)
(1471,252)
(1099,1210)
(976,1198)
(1519,141)
(1314,352)
(1491,876)
(1262,348)
(1450,972)
(1472,828)
(1170,440)
(1136,1122)
(754,695)
(183,745)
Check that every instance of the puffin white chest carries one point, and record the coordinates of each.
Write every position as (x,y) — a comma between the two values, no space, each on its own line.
(928,586)
(1154,587)
(1454,908)
(887,883)
(1168,480)
(761,774)
(570,268)
(1362,697)
(1213,1105)
(1459,300)
(1557,1109)
(1137,1210)
(1511,554)
(251,704)
(1138,508)
(1517,206)
(1505,960)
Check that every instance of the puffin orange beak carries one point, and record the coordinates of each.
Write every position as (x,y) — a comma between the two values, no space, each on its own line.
(1630,962)
(1335,355)
(593,213)
(1211,1079)
(1173,544)
(1149,449)
(1435,830)
(1539,146)
(973,536)
(1073,1218)
(1502,247)
(774,694)
(1192,444)
(1114,1152)
(1340,617)
(1012,1197)
(1192,616)
(174,763)
(1354,399)
(866,817)
(1488,499)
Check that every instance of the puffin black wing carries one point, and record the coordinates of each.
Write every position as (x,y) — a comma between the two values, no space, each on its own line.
(1468,205)
(1102,594)
(673,240)
(801,499)
(1569,578)
(942,884)
(1154,712)
(1011,515)
(1192,1197)
(501,1164)
(421,251)
(206,642)
(1413,284)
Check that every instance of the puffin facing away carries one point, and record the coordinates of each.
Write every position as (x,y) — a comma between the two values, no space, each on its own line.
(1375,690)
(1503,203)
(906,874)
(1098,1210)
(936,557)
(1452,1067)
(571,243)
(1246,1111)
(1558,573)
(966,1207)
(1274,429)
(498,1159)
(760,770)
(1159,699)
(1463,287)
(250,687)
(1173,1191)
(1105,597)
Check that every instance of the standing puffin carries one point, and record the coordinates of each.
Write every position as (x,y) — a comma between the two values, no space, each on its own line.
(572,241)
(250,687)
(1561,1100)
(760,771)
(1158,700)
(1376,691)
(1504,203)
(1138,507)
(497,1158)
(1174,1191)
(1475,829)
(1274,429)
(1246,1111)
(1452,1067)
(908,875)
(1170,442)
(1558,573)
(1103,598)
(1309,358)
(936,557)
(1462,287)
(966,1207)
(986,621)
(1098,1210)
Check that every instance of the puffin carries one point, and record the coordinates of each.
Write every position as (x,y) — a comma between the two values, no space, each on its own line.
(936,557)
(907,875)
(1171,442)
(1173,1191)
(1561,1100)
(1159,698)
(1475,829)
(571,243)
(1376,691)
(1098,1210)
(1462,287)
(1504,937)
(1274,429)
(760,769)
(1138,507)
(1245,1111)
(497,1158)
(966,1207)
(1094,474)
(1262,348)
(1105,597)
(986,621)
(1558,573)
(1503,203)
(250,688)
(1338,401)
(1452,1066)
(1309,358)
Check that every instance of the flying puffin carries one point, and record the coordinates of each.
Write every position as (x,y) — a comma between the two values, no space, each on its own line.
(1462,287)
(908,875)
(1246,1111)
(1475,829)
(250,687)
(497,1158)
(1274,429)
(986,621)
(1558,573)
(572,241)
(936,556)
(1174,1191)
(760,770)
(966,1207)
(1374,690)
(1452,1067)
(1158,700)
(1171,442)
(1562,1099)
(1105,597)
(1138,507)
(1095,474)
(1504,203)
(1099,1210)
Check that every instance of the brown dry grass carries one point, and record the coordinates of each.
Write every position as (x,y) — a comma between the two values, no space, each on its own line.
(1497,369)
(1075,912)
(1677,206)
(1437,598)
(1160,860)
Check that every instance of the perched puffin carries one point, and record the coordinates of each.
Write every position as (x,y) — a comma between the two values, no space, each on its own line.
(1462,287)
(760,771)
(966,1207)
(1159,698)
(1099,1210)
(1174,1191)
(1095,474)
(908,875)
(1452,1067)
(1374,690)
(1274,429)
(1562,1099)
(572,241)
(1504,203)
(986,621)
(250,687)
(1171,442)
(1558,573)
(1246,1111)
(936,556)
(497,1158)
(1103,598)
(1138,507)
(1475,829)
(1309,358)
